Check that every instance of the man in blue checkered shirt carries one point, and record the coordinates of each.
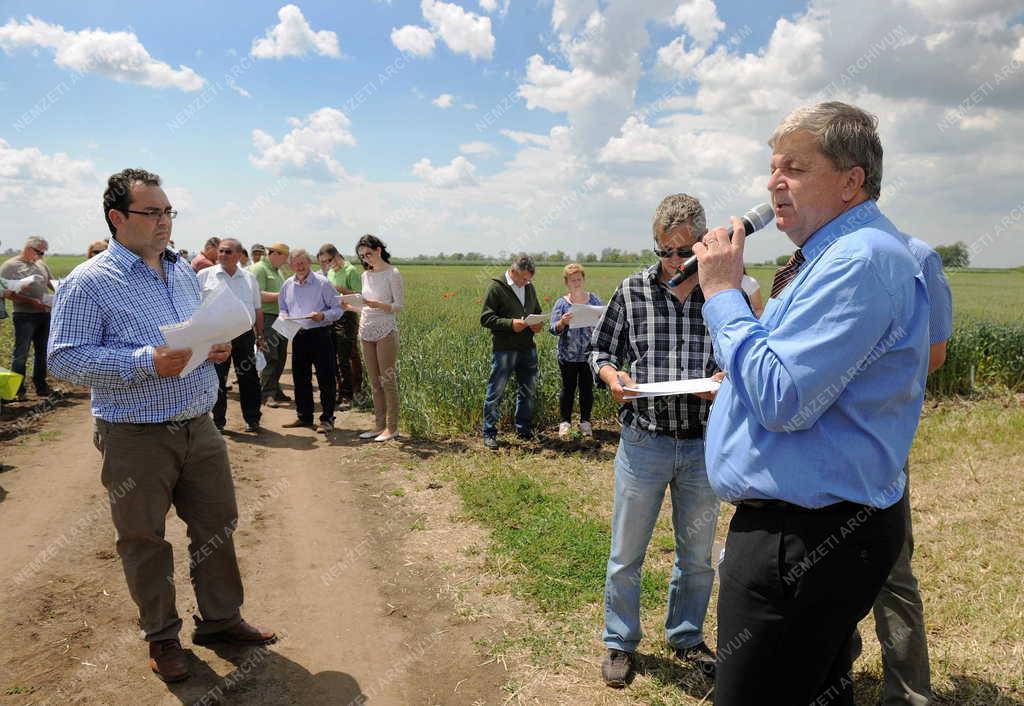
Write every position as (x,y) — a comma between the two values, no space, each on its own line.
(659,334)
(153,428)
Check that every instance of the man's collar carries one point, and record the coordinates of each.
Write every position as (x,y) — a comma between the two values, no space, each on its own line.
(843,224)
(126,259)
(653,272)
(238,270)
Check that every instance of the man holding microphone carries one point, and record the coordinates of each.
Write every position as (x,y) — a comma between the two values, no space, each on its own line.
(810,430)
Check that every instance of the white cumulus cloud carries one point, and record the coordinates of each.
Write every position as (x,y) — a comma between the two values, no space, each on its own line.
(461,172)
(414,40)
(293,36)
(307,151)
(700,19)
(444,100)
(115,55)
(477,147)
(464,32)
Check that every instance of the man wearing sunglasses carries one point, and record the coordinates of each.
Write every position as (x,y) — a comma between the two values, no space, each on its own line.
(31,315)
(153,428)
(659,334)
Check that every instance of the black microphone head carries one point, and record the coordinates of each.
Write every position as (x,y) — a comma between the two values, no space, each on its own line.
(759,216)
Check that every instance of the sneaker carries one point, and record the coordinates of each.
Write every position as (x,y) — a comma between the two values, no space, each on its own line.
(586,430)
(220,427)
(325,427)
(526,435)
(253,428)
(617,668)
(47,391)
(281,397)
(699,656)
(371,434)
(344,405)
(491,442)
(563,430)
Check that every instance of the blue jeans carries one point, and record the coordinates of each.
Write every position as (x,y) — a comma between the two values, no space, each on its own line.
(644,464)
(503,364)
(31,331)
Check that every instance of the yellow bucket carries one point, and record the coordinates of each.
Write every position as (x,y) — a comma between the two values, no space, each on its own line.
(9,384)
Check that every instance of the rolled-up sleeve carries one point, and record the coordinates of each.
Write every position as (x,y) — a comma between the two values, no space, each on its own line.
(940,298)
(77,352)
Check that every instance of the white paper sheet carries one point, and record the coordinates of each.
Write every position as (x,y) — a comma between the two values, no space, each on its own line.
(674,387)
(355,300)
(585,315)
(55,283)
(17,285)
(534,319)
(286,327)
(48,300)
(220,318)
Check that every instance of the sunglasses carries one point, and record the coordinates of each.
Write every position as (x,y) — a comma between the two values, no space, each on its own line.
(37,251)
(226,251)
(679,252)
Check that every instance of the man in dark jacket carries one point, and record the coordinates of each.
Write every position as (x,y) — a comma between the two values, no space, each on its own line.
(509,300)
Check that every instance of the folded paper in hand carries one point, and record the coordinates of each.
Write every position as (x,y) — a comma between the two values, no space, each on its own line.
(17,285)
(286,327)
(354,300)
(220,318)
(534,319)
(675,387)
(585,315)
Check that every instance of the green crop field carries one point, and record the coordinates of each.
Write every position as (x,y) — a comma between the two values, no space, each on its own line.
(445,354)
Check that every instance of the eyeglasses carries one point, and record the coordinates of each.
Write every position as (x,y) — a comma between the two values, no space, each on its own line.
(679,252)
(226,251)
(155,214)
(37,251)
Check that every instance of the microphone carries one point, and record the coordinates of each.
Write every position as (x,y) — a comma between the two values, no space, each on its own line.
(753,220)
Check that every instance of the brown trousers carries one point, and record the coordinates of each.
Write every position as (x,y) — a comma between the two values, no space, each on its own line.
(381,358)
(146,469)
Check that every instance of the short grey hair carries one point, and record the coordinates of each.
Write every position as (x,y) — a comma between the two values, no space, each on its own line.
(847,135)
(34,241)
(679,210)
(297,253)
(236,241)
(523,263)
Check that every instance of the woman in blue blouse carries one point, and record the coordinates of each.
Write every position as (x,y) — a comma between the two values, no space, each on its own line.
(573,347)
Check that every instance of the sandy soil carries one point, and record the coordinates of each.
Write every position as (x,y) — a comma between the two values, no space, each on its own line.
(356,576)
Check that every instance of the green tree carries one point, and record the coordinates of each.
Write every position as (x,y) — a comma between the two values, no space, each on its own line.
(954,255)
(781,260)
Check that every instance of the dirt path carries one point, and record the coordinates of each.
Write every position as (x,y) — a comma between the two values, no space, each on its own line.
(328,558)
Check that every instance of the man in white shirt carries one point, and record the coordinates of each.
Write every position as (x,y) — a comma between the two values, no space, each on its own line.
(243,285)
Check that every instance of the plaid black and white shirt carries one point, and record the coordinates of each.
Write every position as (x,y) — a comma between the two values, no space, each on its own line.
(661,339)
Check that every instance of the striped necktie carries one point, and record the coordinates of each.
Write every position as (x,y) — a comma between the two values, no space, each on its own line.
(785,274)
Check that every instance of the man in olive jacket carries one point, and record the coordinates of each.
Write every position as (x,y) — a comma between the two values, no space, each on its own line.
(509,300)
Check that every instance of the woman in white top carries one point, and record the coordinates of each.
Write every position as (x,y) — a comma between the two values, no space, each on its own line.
(378,333)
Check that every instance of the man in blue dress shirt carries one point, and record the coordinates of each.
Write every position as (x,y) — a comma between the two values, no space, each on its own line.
(809,432)
(153,428)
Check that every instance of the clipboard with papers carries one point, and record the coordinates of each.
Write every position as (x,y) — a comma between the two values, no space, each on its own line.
(673,387)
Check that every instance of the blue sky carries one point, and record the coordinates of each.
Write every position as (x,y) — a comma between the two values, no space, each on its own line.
(497,125)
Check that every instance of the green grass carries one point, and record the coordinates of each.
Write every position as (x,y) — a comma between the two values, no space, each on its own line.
(549,513)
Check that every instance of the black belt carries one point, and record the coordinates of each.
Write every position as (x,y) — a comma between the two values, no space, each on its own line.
(678,434)
(783,506)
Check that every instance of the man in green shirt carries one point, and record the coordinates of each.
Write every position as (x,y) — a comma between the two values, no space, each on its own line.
(270,279)
(347,280)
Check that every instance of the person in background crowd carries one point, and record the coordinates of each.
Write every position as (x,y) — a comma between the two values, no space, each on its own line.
(268,275)
(228,273)
(153,428)
(898,609)
(659,334)
(811,429)
(96,247)
(573,351)
(208,256)
(310,296)
(346,279)
(383,297)
(243,261)
(752,288)
(507,303)
(257,251)
(31,317)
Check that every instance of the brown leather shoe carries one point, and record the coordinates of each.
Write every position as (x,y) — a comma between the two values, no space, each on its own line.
(168,661)
(241,634)
(296,424)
